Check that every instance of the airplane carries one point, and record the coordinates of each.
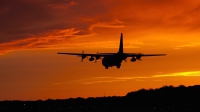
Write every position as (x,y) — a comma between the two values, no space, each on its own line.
(112,59)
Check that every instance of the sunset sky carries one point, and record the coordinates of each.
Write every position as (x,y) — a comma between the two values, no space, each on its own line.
(33,31)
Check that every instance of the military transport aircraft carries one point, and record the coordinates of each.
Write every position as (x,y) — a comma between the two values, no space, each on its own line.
(113,59)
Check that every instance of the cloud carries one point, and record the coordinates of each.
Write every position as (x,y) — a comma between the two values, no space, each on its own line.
(62,6)
(185,74)
(39,24)
(114,24)
(187,45)
(129,78)
(153,77)
(110,79)
(163,15)
(44,40)
(32,23)
(93,82)
(58,83)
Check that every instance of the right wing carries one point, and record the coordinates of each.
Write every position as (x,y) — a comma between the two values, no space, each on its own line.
(92,56)
(140,54)
(134,54)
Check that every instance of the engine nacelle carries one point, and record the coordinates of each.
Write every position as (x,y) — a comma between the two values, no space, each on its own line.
(91,59)
(97,57)
(83,56)
(133,59)
(138,57)
(124,58)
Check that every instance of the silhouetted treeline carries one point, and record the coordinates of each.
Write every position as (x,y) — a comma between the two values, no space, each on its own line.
(164,99)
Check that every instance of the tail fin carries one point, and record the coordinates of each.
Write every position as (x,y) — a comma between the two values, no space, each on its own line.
(121,44)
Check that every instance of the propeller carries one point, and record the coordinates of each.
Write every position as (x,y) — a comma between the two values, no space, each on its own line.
(139,57)
(97,57)
(82,56)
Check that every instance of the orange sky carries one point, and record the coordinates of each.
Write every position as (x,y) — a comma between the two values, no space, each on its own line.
(33,31)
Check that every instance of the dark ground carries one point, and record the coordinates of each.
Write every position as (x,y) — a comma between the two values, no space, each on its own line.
(164,99)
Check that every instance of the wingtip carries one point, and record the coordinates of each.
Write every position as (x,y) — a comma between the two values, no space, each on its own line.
(163,54)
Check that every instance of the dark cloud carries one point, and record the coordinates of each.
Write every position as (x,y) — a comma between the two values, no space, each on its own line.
(156,14)
(27,24)
(23,18)
(38,19)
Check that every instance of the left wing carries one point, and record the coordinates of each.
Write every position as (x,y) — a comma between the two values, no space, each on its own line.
(80,54)
(97,56)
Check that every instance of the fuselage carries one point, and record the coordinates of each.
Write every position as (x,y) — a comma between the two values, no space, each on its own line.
(113,60)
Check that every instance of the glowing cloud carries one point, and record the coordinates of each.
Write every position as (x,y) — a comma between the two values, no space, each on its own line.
(154,77)
(44,40)
(187,45)
(186,74)
(114,24)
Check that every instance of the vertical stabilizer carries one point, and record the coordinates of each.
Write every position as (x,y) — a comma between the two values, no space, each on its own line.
(121,44)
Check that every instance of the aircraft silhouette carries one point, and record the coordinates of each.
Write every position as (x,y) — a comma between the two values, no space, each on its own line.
(113,59)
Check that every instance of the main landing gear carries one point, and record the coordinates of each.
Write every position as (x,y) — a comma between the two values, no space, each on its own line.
(118,66)
(106,67)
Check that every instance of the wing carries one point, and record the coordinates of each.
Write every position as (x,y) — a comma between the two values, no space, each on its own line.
(134,54)
(140,54)
(80,54)
(137,56)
